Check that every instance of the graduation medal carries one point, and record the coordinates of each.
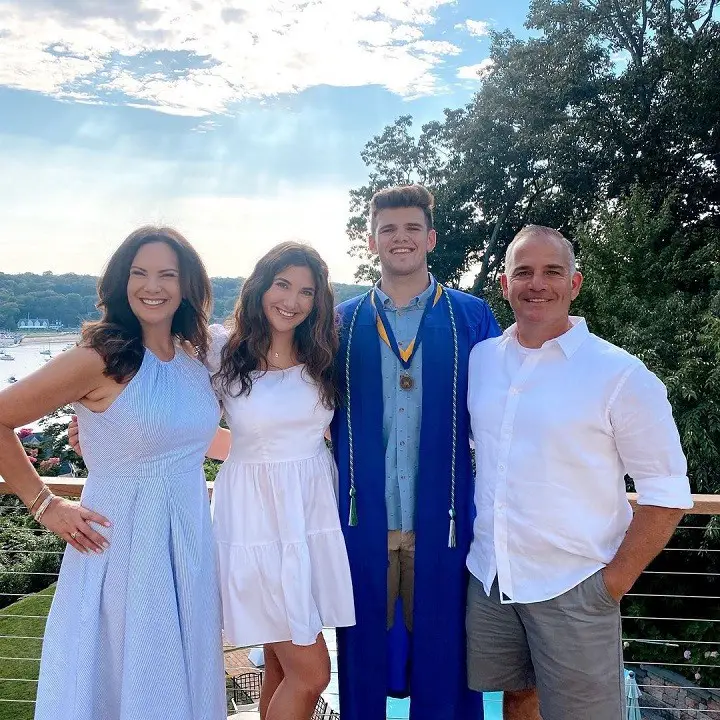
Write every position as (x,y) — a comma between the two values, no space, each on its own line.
(407,382)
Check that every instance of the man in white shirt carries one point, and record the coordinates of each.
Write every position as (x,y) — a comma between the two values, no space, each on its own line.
(559,417)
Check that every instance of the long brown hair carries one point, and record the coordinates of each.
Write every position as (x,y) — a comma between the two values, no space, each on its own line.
(316,338)
(117,336)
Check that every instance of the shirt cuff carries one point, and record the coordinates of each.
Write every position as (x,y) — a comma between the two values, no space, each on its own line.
(667,492)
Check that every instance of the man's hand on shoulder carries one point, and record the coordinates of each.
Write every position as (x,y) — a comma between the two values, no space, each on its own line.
(74,435)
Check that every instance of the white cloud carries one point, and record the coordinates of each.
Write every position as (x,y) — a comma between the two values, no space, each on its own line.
(476,72)
(478,28)
(198,57)
(252,225)
(92,200)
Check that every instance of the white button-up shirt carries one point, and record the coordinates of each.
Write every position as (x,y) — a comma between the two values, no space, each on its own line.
(555,430)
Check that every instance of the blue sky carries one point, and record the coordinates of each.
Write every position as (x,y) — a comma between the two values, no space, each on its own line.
(240,122)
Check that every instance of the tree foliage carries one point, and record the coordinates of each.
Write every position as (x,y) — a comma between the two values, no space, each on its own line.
(71,298)
(612,94)
(650,287)
(30,557)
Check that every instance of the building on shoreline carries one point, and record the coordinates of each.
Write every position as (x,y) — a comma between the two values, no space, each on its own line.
(39,324)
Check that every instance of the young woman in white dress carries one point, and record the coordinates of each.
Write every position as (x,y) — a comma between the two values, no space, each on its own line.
(284,570)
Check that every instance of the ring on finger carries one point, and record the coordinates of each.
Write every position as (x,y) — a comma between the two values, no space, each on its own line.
(73,535)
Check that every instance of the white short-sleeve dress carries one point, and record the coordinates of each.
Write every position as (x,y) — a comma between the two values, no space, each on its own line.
(284,570)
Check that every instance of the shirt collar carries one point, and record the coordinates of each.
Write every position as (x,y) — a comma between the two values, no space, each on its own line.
(569,341)
(417,301)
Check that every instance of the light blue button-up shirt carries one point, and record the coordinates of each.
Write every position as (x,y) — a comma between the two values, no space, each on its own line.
(402,410)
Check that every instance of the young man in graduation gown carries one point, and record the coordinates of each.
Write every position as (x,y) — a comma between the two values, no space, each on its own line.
(400,437)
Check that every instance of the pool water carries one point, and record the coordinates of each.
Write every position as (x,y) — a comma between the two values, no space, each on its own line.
(400,709)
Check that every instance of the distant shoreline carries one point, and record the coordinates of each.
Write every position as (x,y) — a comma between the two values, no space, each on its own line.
(43,339)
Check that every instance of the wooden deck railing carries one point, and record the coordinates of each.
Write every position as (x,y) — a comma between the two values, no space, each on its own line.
(72,488)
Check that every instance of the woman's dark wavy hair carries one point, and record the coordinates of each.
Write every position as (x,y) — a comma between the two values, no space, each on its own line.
(117,336)
(316,338)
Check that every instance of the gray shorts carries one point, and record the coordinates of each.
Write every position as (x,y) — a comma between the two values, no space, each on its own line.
(569,648)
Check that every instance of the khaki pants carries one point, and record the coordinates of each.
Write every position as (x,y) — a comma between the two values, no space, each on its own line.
(401,575)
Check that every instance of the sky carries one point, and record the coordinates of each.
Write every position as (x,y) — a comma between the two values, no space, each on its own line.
(239,122)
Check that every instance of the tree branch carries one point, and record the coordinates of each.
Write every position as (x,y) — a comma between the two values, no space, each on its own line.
(492,247)
(626,32)
(708,18)
(688,18)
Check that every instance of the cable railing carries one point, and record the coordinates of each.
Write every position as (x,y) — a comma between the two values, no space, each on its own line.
(671,621)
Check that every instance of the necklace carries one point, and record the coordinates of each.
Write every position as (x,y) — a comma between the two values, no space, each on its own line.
(279,360)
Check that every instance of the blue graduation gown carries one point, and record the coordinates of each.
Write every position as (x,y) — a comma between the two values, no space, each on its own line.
(373,662)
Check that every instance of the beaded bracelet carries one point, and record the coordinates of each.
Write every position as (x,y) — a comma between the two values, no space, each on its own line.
(43,507)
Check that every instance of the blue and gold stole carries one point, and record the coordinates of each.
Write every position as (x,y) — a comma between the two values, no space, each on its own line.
(386,334)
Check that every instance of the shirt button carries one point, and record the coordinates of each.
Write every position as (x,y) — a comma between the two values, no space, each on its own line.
(514,391)
(401,410)
(501,468)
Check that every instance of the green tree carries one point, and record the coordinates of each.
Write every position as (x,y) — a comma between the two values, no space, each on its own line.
(609,95)
(55,440)
(650,285)
(9,313)
(72,299)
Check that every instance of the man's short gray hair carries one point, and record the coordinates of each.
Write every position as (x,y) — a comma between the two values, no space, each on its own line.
(529,230)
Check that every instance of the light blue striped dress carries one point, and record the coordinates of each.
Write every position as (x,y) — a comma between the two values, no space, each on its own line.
(134,633)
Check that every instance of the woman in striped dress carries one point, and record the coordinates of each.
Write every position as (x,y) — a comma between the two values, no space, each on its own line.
(134,628)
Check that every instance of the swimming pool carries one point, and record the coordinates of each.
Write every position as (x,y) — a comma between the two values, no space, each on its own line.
(400,709)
